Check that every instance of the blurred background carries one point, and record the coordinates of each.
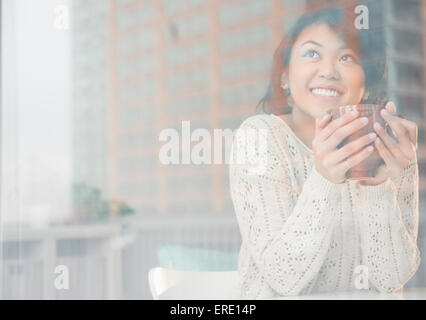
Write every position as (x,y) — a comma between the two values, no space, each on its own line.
(87,86)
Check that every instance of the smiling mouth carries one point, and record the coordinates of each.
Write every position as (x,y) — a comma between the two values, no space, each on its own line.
(325,92)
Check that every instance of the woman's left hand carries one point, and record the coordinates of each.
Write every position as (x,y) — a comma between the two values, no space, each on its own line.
(396,155)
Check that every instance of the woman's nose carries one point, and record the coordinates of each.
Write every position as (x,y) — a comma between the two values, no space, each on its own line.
(328,70)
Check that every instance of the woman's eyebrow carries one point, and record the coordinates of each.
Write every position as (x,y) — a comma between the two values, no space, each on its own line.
(343,46)
(313,42)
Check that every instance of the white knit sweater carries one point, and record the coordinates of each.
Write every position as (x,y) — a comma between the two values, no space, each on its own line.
(303,234)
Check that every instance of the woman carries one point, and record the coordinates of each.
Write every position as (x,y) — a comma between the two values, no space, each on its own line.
(305,229)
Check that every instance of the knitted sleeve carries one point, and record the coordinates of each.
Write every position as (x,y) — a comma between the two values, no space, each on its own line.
(287,231)
(388,218)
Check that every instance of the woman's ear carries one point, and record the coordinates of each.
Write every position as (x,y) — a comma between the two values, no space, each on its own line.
(285,84)
(284,81)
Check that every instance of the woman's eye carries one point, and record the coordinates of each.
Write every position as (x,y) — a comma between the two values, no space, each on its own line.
(311,54)
(348,58)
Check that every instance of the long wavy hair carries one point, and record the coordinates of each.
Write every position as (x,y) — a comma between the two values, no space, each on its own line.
(368,43)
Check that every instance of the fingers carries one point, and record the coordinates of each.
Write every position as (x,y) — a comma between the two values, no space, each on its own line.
(321,122)
(396,126)
(401,123)
(404,147)
(354,146)
(343,132)
(355,159)
(409,127)
(390,143)
(384,152)
(412,130)
(336,124)
(392,164)
(390,107)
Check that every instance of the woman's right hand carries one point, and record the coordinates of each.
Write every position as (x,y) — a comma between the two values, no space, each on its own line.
(333,163)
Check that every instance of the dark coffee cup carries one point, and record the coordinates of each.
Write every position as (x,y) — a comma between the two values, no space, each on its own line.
(367,169)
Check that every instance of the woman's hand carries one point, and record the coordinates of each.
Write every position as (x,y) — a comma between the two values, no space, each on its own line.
(397,155)
(333,163)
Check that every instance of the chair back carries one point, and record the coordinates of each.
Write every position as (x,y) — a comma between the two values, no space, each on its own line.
(173,284)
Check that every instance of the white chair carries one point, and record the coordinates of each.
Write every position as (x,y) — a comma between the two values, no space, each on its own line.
(169,284)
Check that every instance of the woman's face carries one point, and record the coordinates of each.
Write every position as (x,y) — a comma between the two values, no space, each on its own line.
(323,72)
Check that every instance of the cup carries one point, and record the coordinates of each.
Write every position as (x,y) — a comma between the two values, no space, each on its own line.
(367,169)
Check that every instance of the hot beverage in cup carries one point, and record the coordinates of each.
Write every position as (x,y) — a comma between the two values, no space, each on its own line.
(366,169)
